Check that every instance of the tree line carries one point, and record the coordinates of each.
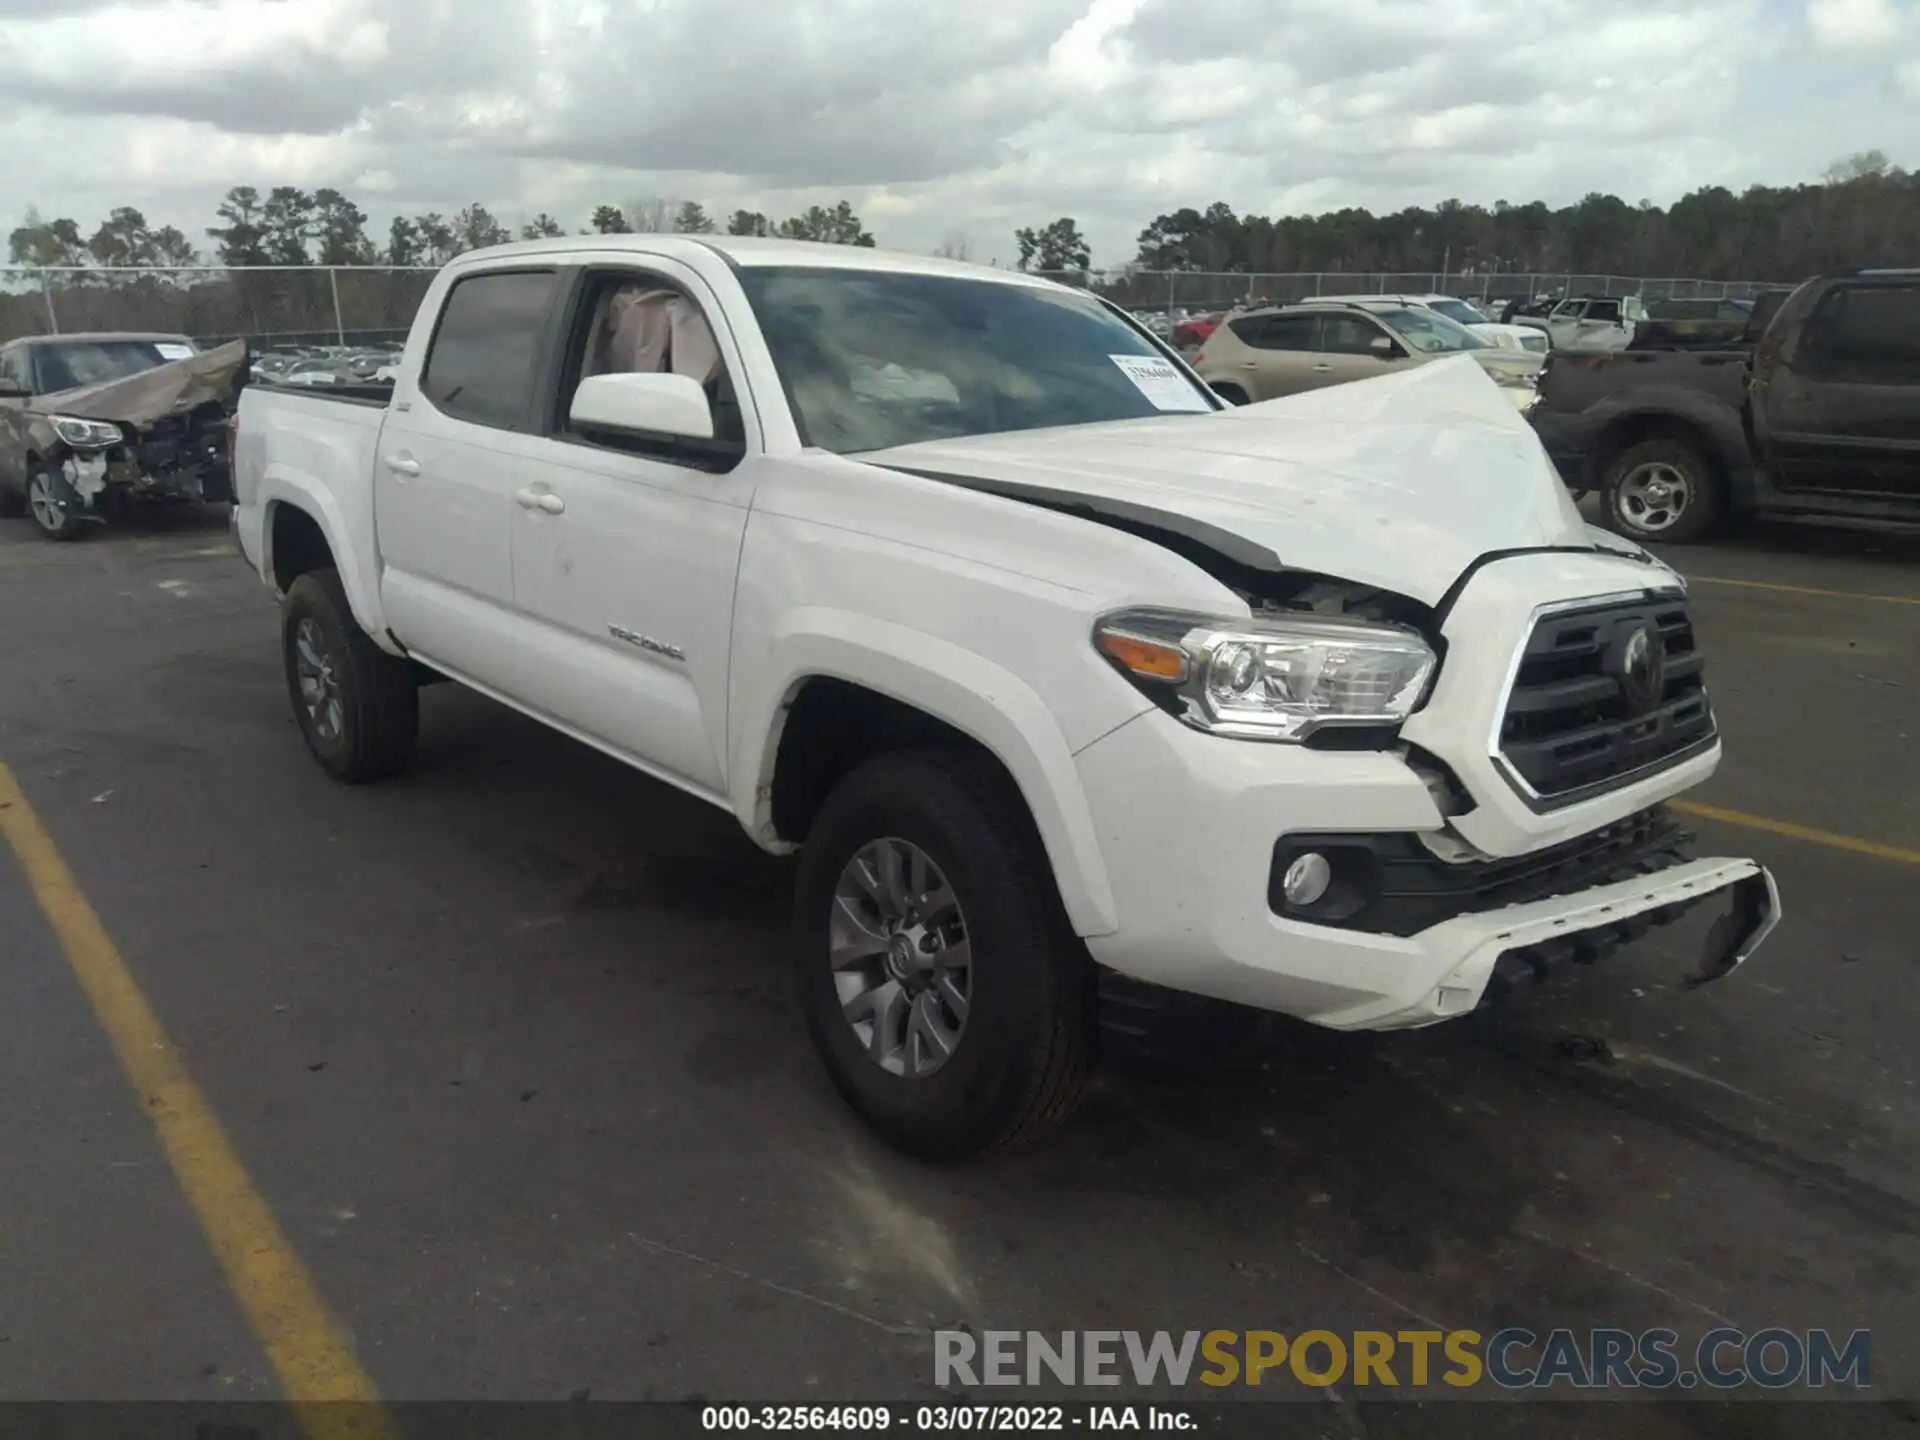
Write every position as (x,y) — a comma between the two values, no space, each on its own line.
(1865,211)
(287,226)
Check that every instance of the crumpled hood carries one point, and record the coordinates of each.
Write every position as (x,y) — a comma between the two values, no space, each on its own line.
(1400,483)
(143,398)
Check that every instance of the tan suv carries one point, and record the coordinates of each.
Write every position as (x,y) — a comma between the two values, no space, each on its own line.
(1268,353)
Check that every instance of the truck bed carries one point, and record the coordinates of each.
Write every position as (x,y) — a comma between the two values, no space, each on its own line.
(378,396)
(323,448)
(1574,382)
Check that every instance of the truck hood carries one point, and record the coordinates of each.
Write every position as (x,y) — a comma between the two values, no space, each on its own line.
(143,398)
(1399,483)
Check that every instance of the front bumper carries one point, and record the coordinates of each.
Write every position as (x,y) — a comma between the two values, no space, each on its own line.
(1187,825)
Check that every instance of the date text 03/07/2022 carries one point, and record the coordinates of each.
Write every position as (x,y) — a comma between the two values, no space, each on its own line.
(943,1418)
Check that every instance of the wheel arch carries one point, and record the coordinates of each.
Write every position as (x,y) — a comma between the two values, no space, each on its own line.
(1714,430)
(282,498)
(870,686)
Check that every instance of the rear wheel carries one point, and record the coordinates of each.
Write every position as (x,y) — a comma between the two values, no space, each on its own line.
(358,707)
(52,504)
(946,993)
(1662,489)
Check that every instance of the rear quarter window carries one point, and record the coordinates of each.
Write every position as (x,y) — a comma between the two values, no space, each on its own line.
(481,362)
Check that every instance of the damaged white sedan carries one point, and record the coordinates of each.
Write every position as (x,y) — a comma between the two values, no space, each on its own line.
(92,423)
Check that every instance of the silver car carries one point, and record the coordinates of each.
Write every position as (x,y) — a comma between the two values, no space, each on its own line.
(1264,354)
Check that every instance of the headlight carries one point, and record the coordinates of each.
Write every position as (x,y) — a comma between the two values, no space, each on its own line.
(85,434)
(1270,679)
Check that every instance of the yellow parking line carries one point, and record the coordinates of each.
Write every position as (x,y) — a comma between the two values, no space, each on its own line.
(1879,850)
(1804,590)
(310,1354)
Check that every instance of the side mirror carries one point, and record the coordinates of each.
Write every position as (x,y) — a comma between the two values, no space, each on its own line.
(1383,347)
(646,404)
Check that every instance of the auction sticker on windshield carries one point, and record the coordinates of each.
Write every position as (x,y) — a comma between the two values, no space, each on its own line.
(1163,385)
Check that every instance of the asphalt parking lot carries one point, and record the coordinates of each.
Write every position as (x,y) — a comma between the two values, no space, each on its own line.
(505,1050)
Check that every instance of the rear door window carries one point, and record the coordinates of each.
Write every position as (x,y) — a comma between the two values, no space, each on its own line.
(1873,334)
(1276,332)
(480,367)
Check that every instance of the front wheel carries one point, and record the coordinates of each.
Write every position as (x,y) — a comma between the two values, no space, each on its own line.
(358,707)
(52,503)
(945,992)
(1662,490)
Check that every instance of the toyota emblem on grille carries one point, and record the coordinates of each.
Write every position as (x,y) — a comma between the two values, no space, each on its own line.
(1643,669)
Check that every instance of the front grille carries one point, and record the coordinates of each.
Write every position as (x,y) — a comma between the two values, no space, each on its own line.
(1401,888)
(1581,719)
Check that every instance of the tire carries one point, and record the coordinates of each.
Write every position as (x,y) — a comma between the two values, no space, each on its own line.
(1676,471)
(1019,1061)
(50,504)
(1232,394)
(366,718)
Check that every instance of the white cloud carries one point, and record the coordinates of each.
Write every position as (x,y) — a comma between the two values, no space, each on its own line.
(1859,25)
(936,120)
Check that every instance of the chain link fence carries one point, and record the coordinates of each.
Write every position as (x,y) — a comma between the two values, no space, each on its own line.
(362,305)
(311,305)
(1196,291)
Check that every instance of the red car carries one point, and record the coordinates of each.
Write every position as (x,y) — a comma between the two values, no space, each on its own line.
(1192,334)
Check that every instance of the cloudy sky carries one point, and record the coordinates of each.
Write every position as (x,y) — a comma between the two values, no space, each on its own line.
(939,120)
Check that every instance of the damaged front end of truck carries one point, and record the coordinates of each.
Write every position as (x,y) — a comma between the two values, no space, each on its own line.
(156,437)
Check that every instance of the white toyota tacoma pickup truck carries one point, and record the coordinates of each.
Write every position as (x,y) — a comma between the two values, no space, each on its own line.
(1077,691)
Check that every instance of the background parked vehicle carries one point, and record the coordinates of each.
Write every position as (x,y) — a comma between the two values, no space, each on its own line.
(91,423)
(1282,351)
(1193,332)
(1820,419)
(1527,307)
(1510,337)
(1590,324)
(1706,324)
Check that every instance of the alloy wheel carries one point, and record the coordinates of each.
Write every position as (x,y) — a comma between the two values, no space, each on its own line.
(902,958)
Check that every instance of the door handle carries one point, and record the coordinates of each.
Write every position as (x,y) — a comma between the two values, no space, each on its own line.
(540,500)
(1249,364)
(400,465)
(1323,369)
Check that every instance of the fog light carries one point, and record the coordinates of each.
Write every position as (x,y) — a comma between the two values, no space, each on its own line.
(1307,879)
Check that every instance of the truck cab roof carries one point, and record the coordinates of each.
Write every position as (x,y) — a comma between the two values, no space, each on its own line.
(756,252)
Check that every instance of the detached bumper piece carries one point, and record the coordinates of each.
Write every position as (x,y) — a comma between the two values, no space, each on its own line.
(1493,927)
(1735,935)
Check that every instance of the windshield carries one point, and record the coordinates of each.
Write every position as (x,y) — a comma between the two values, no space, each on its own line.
(1431,334)
(871,358)
(89,362)
(1458,311)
